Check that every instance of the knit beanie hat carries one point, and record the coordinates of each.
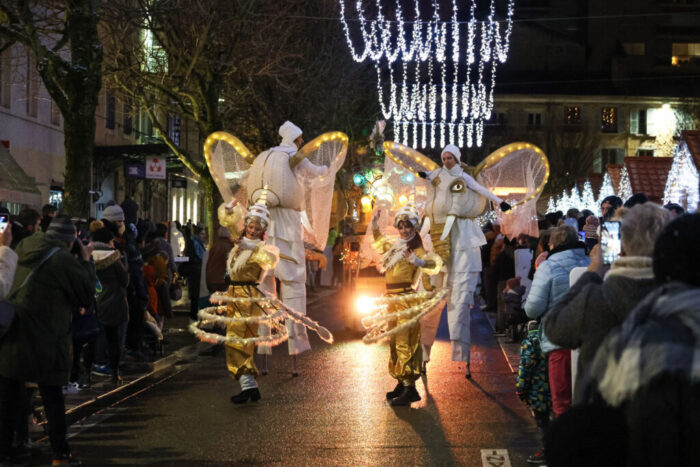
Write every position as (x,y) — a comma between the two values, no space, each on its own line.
(113,213)
(454,150)
(61,228)
(289,132)
(102,235)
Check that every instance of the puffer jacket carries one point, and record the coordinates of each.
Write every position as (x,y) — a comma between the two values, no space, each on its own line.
(112,305)
(551,282)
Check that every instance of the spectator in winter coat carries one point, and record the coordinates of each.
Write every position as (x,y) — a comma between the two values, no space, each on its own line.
(549,285)
(608,207)
(37,345)
(25,224)
(8,262)
(532,385)
(649,368)
(591,231)
(217,280)
(600,302)
(48,212)
(112,305)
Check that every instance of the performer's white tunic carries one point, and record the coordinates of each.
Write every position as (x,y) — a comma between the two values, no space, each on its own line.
(463,270)
(285,232)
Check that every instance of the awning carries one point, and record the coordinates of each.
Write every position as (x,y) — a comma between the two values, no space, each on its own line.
(15,185)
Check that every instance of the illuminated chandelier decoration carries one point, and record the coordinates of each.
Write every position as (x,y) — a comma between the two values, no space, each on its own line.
(427,106)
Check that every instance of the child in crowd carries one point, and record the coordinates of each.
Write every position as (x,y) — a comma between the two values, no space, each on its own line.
(513,299)
(532,385)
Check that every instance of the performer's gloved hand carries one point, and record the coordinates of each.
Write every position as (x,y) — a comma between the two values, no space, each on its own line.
(505,206)
(422,174)
(416,261)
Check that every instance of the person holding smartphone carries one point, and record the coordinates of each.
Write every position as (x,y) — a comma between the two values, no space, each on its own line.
(37,346)
(604,295)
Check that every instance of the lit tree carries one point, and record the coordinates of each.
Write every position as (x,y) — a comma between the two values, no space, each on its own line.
(682,181)
(624,191)
(551,205)
(563,202)
(606,189)
(575,198)
(588,199)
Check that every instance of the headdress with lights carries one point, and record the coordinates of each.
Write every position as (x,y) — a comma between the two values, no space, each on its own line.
(407,212)
(258,212)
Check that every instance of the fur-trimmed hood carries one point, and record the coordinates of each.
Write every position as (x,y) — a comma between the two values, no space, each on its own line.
(104,256)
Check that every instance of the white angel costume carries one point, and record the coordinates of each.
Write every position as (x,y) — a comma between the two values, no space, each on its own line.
(464,264)
(274,168)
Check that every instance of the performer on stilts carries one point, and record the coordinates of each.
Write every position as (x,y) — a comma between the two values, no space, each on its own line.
(459,247)
(278,169)
(402,262)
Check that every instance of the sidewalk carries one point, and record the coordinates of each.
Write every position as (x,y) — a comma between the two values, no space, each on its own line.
(179,346)
(511,350)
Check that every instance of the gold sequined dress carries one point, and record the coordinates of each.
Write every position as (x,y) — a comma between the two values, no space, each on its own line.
(401,276)
(247,264)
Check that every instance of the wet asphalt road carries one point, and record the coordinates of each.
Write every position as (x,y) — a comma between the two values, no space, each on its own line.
(334,413)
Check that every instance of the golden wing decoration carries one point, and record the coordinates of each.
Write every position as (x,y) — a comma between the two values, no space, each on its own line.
(228,160)
(408,158)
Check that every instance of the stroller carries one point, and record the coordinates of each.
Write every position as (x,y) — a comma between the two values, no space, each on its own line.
(516,319)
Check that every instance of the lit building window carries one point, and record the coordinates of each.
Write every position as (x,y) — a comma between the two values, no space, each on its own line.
(573,115)
(685,52)
(608,120)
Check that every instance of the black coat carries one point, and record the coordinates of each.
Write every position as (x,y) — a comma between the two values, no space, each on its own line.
(112,305)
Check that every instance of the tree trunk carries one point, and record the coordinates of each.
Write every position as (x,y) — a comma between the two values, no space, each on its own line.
(79,143)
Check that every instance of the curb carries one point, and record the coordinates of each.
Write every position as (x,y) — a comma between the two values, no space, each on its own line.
(161,369)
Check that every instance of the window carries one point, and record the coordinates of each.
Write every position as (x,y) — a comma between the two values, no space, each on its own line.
(534,119)
(128,117)
(5,79)
(608,156)
(496,119)
(55,114)
(110,115)
(174,128)
(32,86)
(608,120)
(645,152)
(573,115)
(638,122)
(684,52)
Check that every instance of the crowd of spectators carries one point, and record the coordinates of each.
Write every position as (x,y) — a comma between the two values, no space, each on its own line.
(633,324)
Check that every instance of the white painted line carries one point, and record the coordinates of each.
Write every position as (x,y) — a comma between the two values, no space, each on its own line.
(495,458)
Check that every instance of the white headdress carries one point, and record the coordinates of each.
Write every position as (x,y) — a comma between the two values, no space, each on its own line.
(407,212)
(289,132)
(258,211)
(454,150)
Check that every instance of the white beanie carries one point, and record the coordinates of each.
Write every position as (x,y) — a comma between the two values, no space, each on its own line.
(289,132)
(113,213)
(407,212)
(454,150)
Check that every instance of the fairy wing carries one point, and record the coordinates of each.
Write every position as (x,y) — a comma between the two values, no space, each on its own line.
(398,184)
(228,160)
(328,149)
(516,173)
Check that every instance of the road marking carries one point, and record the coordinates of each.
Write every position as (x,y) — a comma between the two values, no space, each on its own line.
(495,458)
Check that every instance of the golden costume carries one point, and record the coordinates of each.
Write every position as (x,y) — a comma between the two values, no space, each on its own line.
(247,264)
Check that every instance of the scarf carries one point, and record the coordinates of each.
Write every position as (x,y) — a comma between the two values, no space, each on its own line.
(660,337)
(634,267)
(240,254)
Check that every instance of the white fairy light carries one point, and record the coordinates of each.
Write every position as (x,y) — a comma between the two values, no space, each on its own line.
(682,182)
(588,199)
(409,101)
(606,189)
(624,190)
(551,206)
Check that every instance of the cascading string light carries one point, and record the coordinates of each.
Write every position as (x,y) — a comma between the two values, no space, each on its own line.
(413,103)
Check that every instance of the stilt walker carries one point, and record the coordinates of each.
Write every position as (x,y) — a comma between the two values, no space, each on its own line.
(403,261)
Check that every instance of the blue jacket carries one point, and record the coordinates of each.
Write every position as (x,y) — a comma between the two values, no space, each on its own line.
(551,282)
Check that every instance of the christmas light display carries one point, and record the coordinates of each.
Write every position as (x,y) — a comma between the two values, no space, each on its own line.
(606,189)
(588,199)
(575,199)
(563,202)
(682,182)
(624,190)
(413,59)
(551,205)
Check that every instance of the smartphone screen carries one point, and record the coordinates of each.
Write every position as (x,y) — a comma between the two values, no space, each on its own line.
(582,236)
(610,241)
(4,222)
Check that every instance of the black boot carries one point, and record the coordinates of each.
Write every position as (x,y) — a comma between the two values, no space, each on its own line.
(408,395)
(395,392)
(241,398)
